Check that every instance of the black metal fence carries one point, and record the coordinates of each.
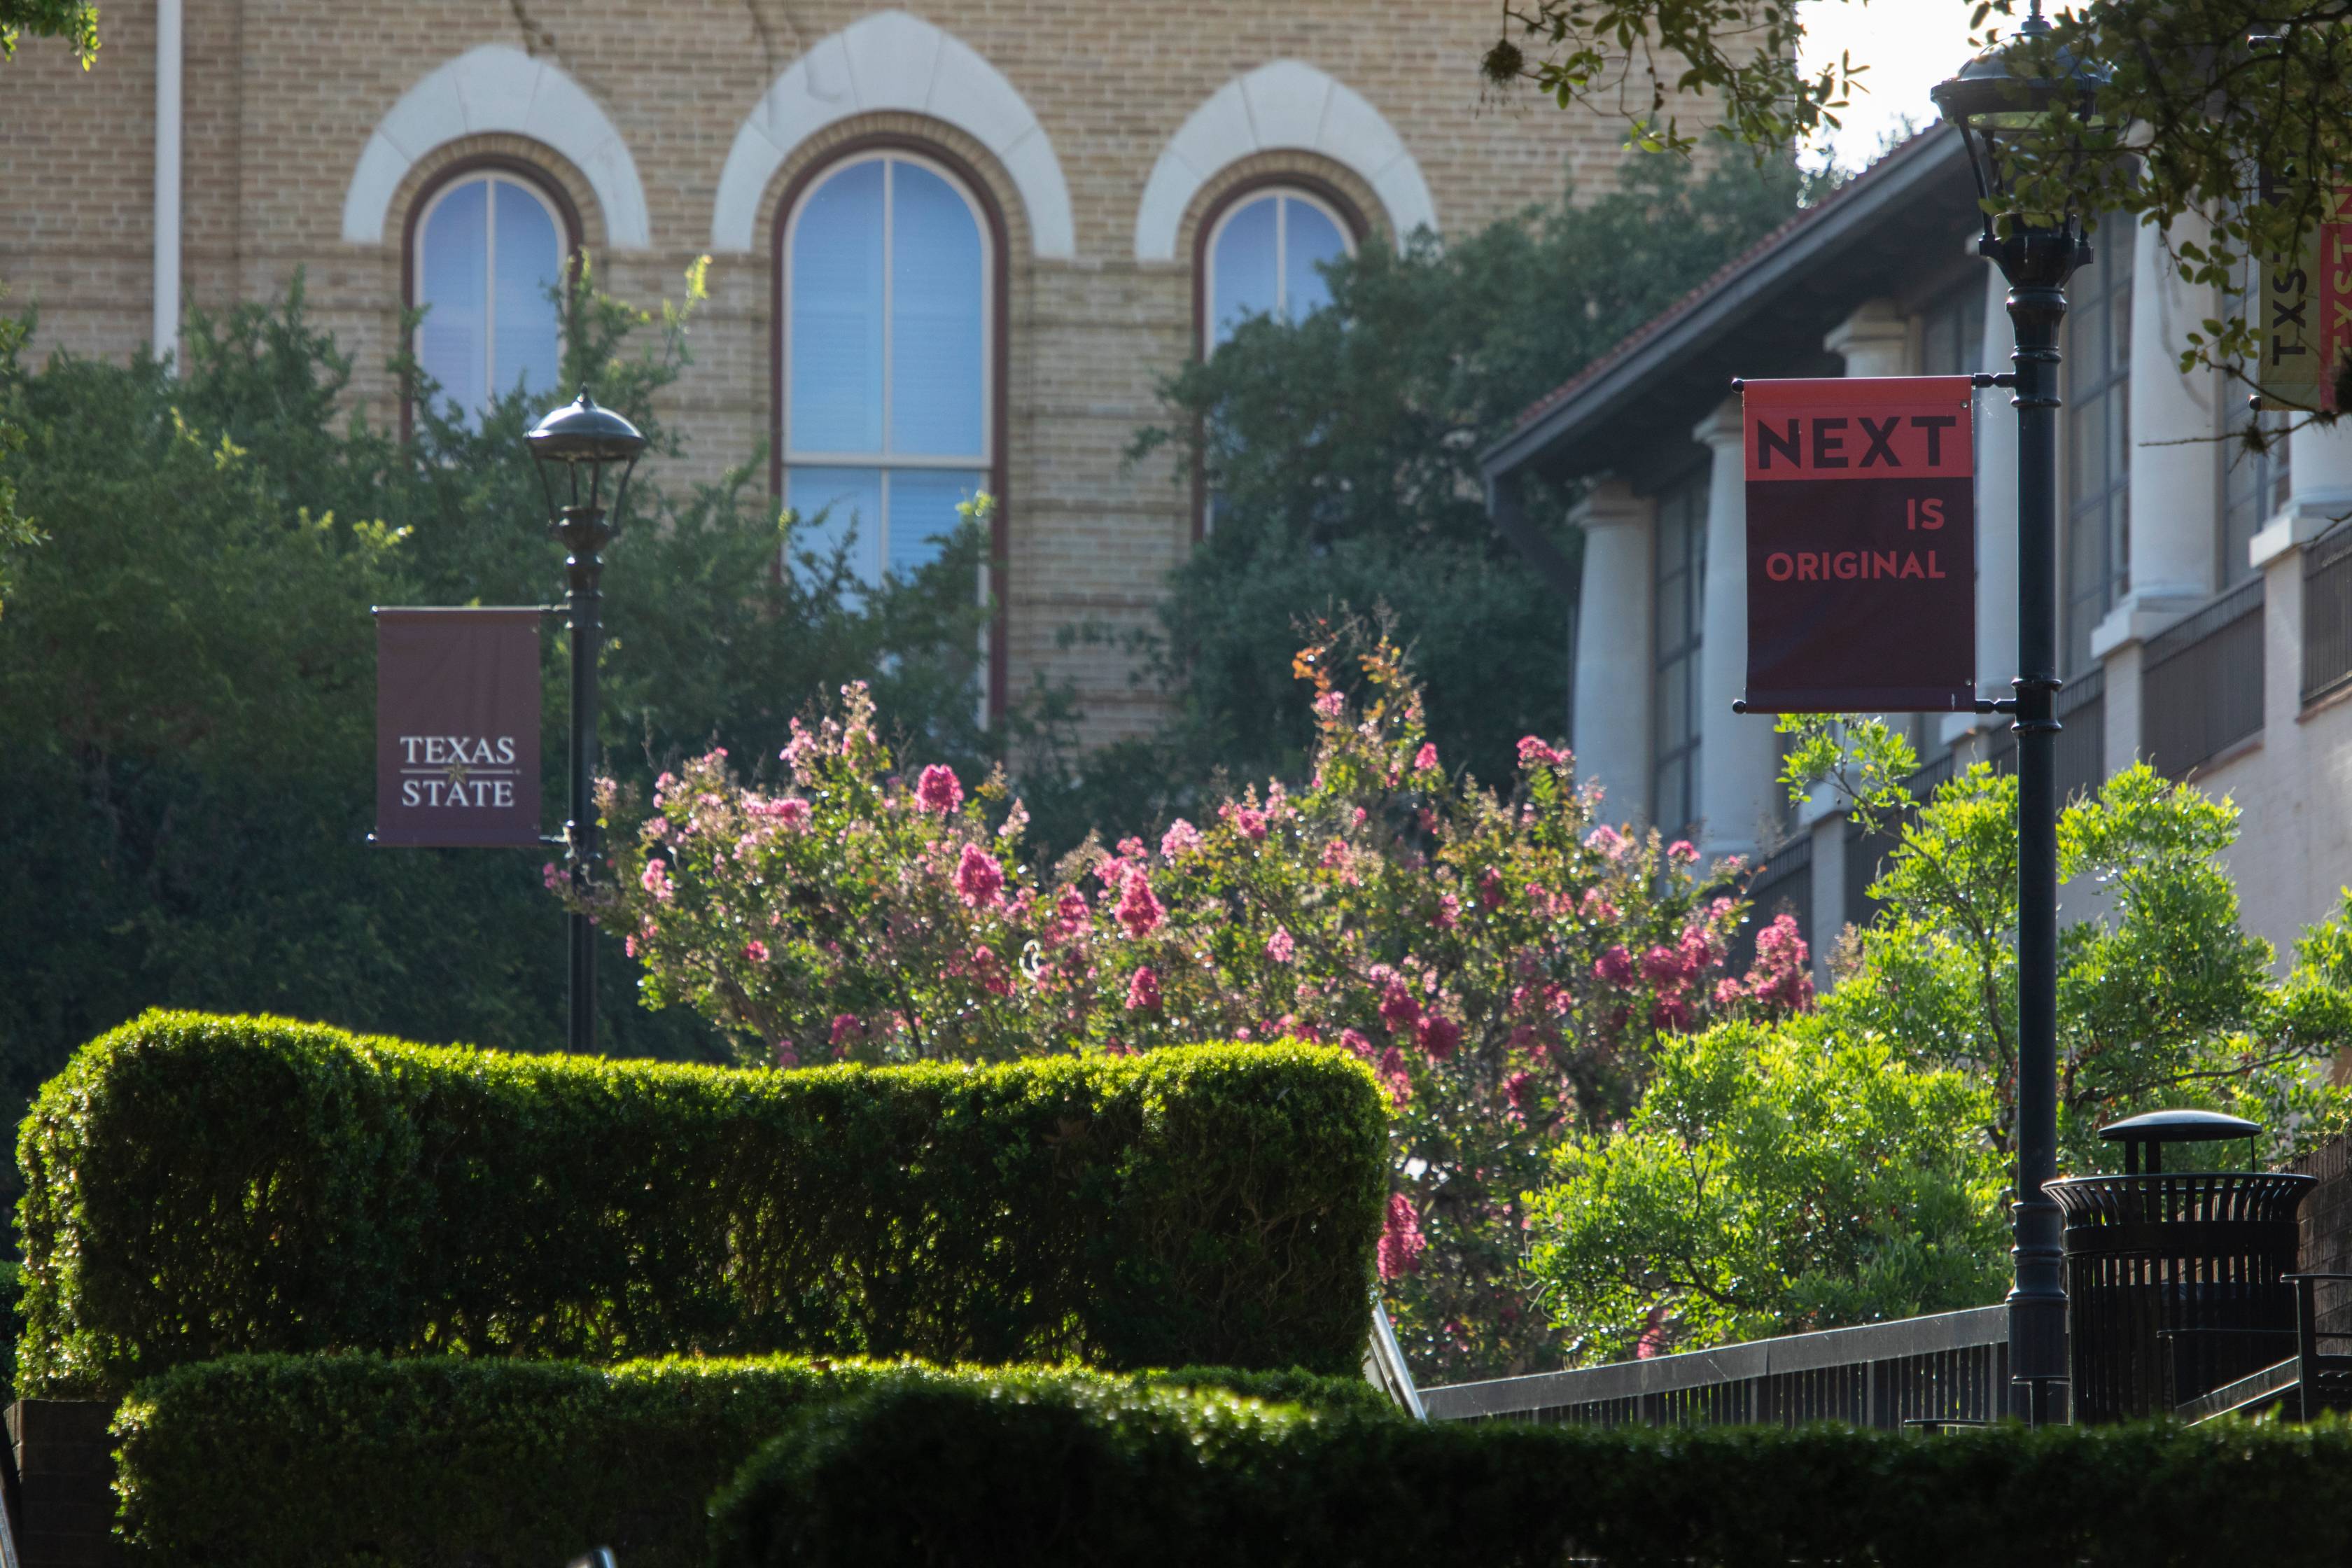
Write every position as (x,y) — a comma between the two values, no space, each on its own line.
(1952,1367)
(1783,884)
(2328,613)
(2202,683)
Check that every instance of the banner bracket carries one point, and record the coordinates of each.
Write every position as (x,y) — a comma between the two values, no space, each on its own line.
(1987,378)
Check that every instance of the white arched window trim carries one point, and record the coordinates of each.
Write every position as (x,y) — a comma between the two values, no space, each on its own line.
(493,384)
(893,62)
(497,89)
(884,457)
(1283,104)
(1235,209)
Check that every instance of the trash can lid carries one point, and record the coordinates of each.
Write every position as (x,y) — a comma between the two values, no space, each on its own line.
(2178,1127)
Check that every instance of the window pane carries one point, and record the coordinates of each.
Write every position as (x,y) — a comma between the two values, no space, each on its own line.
(833,503)
(936,362)
(1242,267)
(836,398)
(1311,240)
(923,512)
(529,262)
(453,264)
(1674,707)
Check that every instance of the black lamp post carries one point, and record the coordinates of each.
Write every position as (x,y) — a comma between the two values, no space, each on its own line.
(577,447)
(2037,252)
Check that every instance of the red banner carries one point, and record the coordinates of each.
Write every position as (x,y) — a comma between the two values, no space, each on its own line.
(1861,546)
(457,727)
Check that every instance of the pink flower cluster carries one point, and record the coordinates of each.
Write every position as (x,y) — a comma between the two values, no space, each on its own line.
(939,790)
(978,880)
(1139,911)
(1402,1243)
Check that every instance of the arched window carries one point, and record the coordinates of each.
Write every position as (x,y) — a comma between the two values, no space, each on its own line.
(488,248)
(888,323)
(1264,257)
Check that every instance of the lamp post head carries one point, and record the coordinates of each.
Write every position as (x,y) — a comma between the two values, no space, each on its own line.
(576,447)
(2024,94)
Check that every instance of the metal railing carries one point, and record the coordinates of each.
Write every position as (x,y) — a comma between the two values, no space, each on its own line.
(2328,613)
(2201,682)
(1783,883)
(1952,1367)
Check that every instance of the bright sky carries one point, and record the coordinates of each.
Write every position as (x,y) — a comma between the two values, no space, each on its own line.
(1909,47)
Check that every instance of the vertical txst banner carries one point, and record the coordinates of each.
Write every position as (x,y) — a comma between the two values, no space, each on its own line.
(457,727)
(1861,546)
(2304,325)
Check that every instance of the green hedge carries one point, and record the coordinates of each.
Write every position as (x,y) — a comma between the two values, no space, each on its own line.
(344,1462)
(203,1186)
(1011,1472)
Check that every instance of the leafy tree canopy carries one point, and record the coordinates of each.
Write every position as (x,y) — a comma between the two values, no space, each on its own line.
(76,21)
(2207,95)
(1342,454)
(1772,1181)
(2162,998)
(1850,1164)
(186,682)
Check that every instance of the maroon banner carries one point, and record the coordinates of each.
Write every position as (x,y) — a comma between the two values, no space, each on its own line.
(1862,548)
(457,727)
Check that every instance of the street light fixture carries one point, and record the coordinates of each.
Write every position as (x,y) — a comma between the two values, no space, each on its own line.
(2034,234)
(578,447)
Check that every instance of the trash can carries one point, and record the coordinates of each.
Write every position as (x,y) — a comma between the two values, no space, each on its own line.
(2174,1278)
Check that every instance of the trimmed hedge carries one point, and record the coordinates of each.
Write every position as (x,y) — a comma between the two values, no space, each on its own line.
(344,1462)
(1013,1472)
(201,1186)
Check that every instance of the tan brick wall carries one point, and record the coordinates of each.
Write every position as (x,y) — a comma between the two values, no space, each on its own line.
(281,97)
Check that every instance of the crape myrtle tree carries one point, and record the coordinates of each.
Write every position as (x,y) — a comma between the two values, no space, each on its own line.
(187,681)
(1508,966)
(1853,1164)
(2236,114)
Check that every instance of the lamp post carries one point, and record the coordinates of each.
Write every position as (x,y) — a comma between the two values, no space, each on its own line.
(2037,252)
(577,446)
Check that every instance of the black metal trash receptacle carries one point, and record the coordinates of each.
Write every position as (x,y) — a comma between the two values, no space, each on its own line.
(2173,1278)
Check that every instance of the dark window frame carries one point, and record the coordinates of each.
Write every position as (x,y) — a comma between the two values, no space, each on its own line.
(1685,660)
(2092,298)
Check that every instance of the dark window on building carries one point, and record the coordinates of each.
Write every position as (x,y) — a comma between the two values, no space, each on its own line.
(1679,628)
(2096,568)
(2253,480)
(1951,331)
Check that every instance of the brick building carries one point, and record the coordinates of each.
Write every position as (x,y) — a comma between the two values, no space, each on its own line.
(949,248)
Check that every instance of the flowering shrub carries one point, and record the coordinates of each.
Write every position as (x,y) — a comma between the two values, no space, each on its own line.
(1502,966)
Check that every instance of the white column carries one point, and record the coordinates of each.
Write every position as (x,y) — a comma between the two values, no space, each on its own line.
(1996,429)
(1876,340)
(1615,653)
(1738,757)
(2319,490)
(2174,454)
(166,327)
